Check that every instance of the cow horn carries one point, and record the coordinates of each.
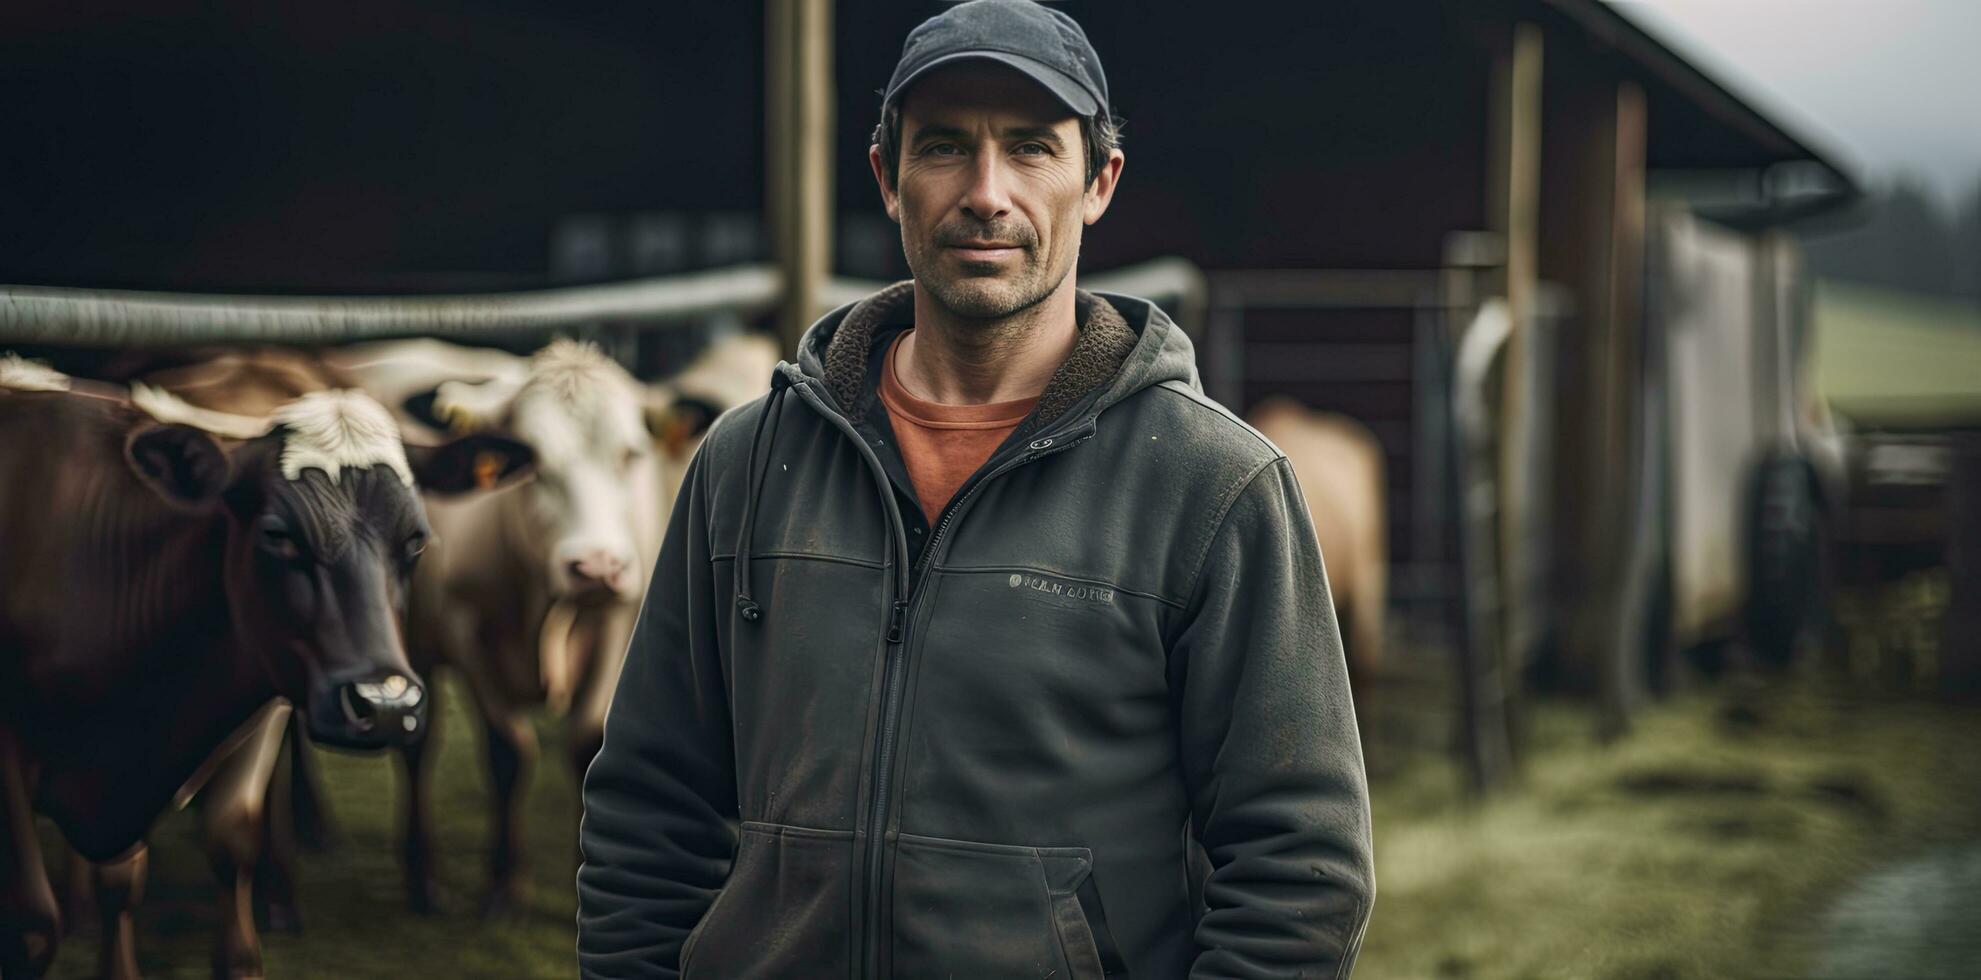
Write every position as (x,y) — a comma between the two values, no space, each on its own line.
(17,373)
(555,656)
(169,408)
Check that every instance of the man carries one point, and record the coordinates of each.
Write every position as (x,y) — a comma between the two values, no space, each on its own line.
(973,629)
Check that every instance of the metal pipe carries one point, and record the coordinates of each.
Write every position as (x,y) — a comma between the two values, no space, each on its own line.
(122,318)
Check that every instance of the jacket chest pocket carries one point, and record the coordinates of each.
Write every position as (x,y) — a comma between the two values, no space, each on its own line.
(1055,636)
(799,679)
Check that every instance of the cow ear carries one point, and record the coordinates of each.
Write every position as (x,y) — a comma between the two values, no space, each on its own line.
(180,463)
(419,405)
(656,402)
(471,463)
(675,420)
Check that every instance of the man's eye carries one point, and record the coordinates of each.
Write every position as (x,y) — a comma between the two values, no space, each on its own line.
(941,149)
(1033,148)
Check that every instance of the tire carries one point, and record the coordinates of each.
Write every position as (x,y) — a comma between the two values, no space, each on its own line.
(1786,560)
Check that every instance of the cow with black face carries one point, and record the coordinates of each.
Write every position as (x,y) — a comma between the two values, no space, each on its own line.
(159,589)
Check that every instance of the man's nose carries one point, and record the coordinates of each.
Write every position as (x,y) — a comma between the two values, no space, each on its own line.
(986,199)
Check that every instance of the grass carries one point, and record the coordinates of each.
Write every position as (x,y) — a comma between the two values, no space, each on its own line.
(1697,847)
(356,920)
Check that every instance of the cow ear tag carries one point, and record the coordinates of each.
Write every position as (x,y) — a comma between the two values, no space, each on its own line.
(488,469)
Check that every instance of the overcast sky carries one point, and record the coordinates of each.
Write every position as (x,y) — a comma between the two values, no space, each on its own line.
(1888,86)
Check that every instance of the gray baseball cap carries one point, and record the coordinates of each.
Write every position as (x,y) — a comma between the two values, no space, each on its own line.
(1041,42)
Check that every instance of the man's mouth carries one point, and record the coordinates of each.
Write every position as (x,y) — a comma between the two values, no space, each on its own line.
(983,251)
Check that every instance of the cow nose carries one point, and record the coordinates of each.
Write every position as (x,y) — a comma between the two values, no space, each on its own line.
(387,710)
(597,571)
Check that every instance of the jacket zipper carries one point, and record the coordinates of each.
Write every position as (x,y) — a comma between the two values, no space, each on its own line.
(896,632)
(891,681)
(900,614)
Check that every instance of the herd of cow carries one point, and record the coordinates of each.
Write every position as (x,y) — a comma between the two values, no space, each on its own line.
(228,548)
(224,550)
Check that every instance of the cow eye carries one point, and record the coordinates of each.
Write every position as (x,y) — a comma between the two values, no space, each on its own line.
(415,547)
(277,539)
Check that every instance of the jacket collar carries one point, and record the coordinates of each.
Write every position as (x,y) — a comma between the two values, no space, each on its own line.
(1105,342)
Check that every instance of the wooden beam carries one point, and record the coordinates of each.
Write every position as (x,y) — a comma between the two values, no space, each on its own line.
(1626,258)
(1514,199)
(1515,167)
(1628,561)
(799,97)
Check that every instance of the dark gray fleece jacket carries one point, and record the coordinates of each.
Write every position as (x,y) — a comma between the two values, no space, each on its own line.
(848,745)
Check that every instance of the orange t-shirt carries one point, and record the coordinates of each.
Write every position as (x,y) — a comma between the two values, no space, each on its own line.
(942,445)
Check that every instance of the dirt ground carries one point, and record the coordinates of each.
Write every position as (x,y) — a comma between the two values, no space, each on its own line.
(1790,837)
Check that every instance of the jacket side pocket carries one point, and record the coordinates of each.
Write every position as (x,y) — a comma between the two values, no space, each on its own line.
(783,912)
(695,934)
(1076,909)
(995,910)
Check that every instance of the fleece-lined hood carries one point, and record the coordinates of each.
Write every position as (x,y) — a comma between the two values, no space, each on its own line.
(1126,344)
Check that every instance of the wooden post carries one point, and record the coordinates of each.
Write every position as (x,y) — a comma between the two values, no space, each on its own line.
(799,97)
(1515,165)
(1960,637)
(1514,201)
(1513,196)
(1629,563)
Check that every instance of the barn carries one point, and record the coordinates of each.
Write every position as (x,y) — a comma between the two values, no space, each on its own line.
(1543,255)
(1346,186)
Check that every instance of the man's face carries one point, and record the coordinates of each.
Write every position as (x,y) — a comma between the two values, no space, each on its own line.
(992,194)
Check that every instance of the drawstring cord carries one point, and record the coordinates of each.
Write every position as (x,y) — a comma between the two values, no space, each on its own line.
(746,606)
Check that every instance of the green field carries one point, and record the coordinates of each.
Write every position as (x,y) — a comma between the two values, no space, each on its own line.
(1892,359)
(1697,847)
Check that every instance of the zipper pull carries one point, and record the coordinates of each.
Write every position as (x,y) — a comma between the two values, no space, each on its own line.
(896,620)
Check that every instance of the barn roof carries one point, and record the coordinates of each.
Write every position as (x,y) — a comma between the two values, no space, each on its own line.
(1697,120)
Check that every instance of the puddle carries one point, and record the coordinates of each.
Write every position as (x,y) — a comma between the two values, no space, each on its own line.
(1918,919)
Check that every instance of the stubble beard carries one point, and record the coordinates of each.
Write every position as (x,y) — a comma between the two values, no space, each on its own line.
(980,294)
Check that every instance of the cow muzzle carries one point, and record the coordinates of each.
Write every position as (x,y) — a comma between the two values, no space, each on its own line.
(388,710)
(595,573)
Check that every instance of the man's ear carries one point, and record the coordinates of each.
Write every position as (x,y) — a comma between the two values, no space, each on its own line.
(890,197)
(471,463)
(1101,191)
(182,464)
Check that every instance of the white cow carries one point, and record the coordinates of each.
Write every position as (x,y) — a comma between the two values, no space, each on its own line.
(531,592)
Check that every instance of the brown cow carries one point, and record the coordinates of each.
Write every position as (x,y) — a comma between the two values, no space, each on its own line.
(234,392)
(159,589)
(1339,465)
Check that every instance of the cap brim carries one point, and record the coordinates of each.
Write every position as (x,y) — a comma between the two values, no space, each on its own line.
(1062,86)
